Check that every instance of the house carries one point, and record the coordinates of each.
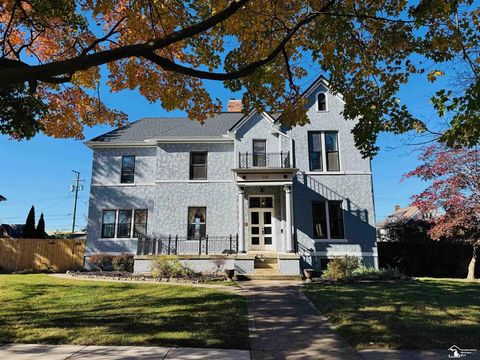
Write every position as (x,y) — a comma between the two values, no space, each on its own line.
(12,230)
(246,184)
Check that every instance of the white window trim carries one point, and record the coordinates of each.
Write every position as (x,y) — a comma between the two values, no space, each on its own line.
(132,224)
(326,102)
(327,219)
(324,170)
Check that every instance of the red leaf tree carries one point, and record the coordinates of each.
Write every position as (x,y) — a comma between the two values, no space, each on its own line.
(454,192)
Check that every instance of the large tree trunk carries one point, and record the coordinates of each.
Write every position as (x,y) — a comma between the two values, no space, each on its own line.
(473,261)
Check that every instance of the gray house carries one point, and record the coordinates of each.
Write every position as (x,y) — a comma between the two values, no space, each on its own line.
(273,197)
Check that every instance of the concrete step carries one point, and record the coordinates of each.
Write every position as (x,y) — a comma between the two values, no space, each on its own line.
(273,277)
(265,265)
(266,271)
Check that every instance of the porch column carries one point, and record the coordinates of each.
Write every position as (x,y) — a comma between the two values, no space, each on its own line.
(288,219)
(241,221)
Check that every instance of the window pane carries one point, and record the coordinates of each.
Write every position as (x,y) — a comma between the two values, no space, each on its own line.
(321,101)
(254,202)
(255,217)
(199,158)
(197,221)
(259,146)
(140,223)
(255,230)
(255,240)
(198,165)
(319,220)
(267,218)
(315,151)
(267,202)
(335,213)
(124,223)
(108,224)
(331,143)
(128,169)
(267,240)
(332,161)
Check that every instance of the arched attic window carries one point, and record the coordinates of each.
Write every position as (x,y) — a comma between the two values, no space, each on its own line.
(322,102)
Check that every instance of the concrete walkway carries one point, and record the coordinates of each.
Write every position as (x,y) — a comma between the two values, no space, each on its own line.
(77,352)
(285,325)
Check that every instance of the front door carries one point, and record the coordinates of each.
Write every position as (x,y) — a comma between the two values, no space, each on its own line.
(261,223)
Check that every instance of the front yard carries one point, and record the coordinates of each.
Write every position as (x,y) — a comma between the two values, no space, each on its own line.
(422,314)
(42,309)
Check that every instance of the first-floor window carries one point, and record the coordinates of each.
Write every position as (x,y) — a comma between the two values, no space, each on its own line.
(335,214)
(108,223)
(331,210)
(319,220)
(197,222)
(124,226)
(140,223)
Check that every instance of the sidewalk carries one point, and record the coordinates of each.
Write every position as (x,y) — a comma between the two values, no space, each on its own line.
(77,352)
(284,325)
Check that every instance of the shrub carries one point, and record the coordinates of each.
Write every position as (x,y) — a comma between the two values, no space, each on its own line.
(219,262)
(102,261)
(123,262)
(167,266)
(369,273)
(341,268)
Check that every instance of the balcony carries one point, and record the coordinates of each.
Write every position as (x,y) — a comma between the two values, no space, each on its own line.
(279,160)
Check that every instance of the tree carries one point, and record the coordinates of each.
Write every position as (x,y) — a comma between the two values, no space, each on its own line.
(40,232)
(29,231)
(413,231)
(454,191)
(166,48)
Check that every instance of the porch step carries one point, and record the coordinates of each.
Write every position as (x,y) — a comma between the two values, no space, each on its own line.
(274,277)
(266,271)
(266,263)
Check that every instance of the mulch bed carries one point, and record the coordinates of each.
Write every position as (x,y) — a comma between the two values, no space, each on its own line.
(124,275)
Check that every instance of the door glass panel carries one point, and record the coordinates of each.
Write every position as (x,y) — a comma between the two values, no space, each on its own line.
(268,202)
(255,218)
(255,230)
(255,240)
(267,240)
(267,218)
(254,202)
(267,230)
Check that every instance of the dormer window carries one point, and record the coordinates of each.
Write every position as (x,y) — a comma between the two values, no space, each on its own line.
(322,102)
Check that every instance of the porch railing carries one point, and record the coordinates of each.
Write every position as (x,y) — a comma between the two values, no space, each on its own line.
(176,245)
(266,160)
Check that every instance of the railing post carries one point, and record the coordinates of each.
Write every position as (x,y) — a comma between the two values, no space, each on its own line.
(206,245)
(200,246)
(246,160)
(169,242)
(176,244)
(236,250)
(230,247)
(239,159)
(139,246)
(154,246)
(281,159)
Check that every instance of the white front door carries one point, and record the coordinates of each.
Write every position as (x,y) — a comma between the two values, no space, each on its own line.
(261,225)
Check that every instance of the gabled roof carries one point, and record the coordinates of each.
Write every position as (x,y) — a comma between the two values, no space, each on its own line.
(169,127)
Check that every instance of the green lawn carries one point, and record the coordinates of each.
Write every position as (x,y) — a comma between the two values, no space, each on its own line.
(423,314)
(42,309)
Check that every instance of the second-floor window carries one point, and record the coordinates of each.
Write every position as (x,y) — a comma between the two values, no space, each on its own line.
(260,153)
(198,165)
(321,102)
(128,169)
(323,151)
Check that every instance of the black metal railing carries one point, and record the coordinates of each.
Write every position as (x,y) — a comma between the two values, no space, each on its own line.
(267,160)
(176,245)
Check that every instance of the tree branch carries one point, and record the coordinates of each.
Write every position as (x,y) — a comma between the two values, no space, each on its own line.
(84,62)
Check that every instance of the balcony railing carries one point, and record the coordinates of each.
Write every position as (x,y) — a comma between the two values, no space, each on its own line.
(264,160)
(176,245)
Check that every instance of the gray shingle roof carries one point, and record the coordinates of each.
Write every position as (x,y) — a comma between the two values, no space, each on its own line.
(153,128)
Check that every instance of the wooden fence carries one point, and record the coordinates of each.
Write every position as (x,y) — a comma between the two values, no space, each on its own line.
(58,255)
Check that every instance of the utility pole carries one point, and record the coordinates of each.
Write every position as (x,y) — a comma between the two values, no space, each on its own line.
(74,188)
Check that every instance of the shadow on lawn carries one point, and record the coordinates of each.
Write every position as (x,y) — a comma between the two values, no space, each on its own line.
(408,315)
(124,314)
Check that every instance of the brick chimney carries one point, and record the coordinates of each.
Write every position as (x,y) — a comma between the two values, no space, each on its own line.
(234,105)
(397,207)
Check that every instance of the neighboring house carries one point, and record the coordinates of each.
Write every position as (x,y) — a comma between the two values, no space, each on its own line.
(279,190)
(12,230)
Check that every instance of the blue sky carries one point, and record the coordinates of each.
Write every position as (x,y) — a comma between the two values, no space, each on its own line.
(38,172)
